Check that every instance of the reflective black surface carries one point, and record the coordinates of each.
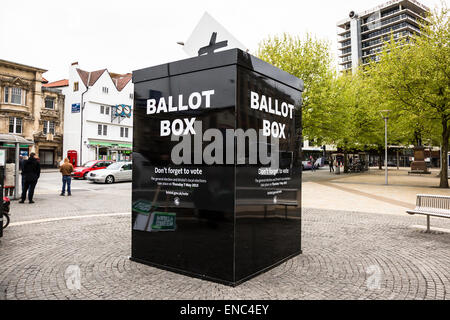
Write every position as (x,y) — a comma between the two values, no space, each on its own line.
(268,218)
(220,224)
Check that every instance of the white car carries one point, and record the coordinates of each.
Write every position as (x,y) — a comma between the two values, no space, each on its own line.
(116,172)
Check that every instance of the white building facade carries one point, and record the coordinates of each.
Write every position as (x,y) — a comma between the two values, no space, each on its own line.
(98,115)
(361,36)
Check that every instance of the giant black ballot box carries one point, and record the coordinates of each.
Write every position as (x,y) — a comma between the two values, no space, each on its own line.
(216,166)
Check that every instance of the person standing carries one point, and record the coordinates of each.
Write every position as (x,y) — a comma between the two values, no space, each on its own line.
(31,173)
(331,164)
(21,163)
(313,165)
(66,170)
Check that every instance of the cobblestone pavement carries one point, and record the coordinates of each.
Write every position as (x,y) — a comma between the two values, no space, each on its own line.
(347,254)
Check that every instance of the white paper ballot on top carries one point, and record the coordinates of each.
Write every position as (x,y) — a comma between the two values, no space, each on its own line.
(201,36)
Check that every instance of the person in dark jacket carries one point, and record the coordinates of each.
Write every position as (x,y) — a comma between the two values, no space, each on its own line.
(21,162)
(331,164)
(32,172)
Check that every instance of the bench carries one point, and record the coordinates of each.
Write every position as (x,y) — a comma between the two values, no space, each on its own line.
(431,205)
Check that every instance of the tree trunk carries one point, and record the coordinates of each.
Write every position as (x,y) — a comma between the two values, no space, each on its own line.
(345,162)
(444,154)
(380,162)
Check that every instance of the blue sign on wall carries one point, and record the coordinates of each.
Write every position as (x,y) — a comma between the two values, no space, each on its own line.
(123,110)
(75,108)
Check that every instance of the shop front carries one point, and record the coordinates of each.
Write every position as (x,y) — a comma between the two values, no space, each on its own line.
(116,151)
(13,146)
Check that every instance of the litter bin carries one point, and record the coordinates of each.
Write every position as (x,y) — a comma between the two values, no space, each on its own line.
(337,170)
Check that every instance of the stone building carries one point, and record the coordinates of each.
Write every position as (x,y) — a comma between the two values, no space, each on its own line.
(31,111)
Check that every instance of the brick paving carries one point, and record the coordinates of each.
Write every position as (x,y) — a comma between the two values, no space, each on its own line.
(342,251)
(347,255)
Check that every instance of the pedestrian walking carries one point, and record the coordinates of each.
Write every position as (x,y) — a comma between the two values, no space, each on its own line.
(31,173)
(66,171)
(331,164)
(313,165)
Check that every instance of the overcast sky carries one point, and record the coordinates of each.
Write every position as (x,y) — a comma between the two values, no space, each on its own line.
(126,35)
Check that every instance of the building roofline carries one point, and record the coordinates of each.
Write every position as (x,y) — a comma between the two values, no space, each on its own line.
(57,84)
(23,66)
(115,78)
(380,7)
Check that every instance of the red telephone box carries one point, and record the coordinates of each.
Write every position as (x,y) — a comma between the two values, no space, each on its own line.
(72,155)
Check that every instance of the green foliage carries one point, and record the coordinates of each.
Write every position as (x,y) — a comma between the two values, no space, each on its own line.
(310,60)
(414,76)
(412,80)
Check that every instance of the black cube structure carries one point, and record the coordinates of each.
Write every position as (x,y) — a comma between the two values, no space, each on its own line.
(204,204)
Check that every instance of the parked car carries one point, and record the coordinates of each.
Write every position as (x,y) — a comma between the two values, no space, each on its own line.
(118,171)
(81,172)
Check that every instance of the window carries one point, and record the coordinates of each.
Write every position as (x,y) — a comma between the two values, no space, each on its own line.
(102,130)
(104,110)
(347,50)
(346,43)
(49,127)
(14,95)
(6,100)
(390,11)
(99,165)
(105,89)
(50,103)
(15,125)
(127,167)
(123,132)
(75,86)
(131,96)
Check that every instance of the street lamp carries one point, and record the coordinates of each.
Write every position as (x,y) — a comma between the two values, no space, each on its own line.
(385,116)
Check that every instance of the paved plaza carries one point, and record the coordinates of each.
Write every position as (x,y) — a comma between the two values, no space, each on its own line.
(358,243)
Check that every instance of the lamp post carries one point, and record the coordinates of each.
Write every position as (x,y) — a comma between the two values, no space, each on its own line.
(385,116)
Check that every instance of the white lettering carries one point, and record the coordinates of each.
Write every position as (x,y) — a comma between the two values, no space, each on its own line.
(165,128)
(197,96)
(266,128)
(151,106)
(254,100)
(208,95)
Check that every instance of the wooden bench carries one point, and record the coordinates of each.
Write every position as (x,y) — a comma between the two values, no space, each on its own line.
(432,205)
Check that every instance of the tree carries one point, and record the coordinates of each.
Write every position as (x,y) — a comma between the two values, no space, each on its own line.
(414,74)
(308,59)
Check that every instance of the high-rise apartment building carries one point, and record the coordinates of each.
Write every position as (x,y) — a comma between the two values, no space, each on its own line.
(361,35)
